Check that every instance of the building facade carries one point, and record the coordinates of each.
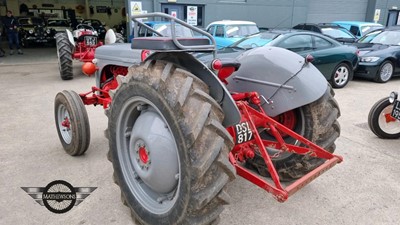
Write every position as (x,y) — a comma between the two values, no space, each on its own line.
(266,13)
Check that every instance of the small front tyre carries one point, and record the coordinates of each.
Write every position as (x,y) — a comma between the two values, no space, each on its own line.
(381,123)
(72,122)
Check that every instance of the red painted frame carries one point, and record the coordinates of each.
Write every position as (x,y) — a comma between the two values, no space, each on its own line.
(258,118)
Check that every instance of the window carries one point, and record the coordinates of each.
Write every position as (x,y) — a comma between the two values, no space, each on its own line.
(211,30)
(336,32)
(321,43)
(354,30)
(297,43)
(142,31)
(220,31)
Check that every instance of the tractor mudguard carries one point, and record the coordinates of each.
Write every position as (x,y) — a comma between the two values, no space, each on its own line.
(281,76)
(217,89)
(70,37)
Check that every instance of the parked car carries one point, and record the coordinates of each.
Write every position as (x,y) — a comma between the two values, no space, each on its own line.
(359,28)
(97,25)
(334,31)
(227,32)
(335,61)
(379,58)
(34,31)
(59,25)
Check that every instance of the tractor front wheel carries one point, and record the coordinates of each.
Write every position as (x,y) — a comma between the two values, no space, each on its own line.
(381,123)
(64,54)
(72,122)
(168,147)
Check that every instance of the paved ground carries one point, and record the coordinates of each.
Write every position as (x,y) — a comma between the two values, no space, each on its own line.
(364,189)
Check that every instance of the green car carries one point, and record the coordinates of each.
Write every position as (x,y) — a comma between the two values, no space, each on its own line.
(335,61)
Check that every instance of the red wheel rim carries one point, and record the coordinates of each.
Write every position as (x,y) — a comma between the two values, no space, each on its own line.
(287,119)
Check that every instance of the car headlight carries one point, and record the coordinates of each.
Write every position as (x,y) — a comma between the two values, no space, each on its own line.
(392,97)
(369,59)
(31,31)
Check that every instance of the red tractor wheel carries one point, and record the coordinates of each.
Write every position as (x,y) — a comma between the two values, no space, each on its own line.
(64,54)
(72,122)
(168,147)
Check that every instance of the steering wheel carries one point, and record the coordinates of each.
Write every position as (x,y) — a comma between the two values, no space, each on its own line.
(84,26)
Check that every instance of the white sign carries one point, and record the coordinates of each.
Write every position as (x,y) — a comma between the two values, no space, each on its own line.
(192,15)
(377,15)
(173,13)
(136,8)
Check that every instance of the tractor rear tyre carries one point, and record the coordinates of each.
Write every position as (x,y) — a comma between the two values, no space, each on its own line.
(64,54)
(168,147)
(72,122)
(316,122)
(381,123)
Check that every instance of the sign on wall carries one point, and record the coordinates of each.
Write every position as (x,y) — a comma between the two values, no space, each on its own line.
(136,8)
(192,15)
(174,13)
(377,15)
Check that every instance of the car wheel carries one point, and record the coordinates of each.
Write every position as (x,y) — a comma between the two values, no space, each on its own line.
(385,72)
(341,75)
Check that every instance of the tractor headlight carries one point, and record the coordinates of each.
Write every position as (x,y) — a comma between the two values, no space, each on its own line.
(30,31)
(393,97)
(369,59)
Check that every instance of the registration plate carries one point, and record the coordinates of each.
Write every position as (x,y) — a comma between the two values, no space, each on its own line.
(396,110)
(90,40)
(243,132)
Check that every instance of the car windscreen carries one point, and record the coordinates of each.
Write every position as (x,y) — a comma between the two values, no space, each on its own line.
(368,28)
(387,38)
(255,41)
(30,21)
(336,33)
(241,30)
(368,37)
(93,23)
(58,23)
(180,31)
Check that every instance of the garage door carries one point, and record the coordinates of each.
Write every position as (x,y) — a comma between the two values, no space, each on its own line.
(320,11)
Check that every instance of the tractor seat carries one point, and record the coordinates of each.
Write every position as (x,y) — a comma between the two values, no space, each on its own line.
(167,43)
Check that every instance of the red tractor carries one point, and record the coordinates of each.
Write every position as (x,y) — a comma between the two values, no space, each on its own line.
(179,129)
(79,45)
